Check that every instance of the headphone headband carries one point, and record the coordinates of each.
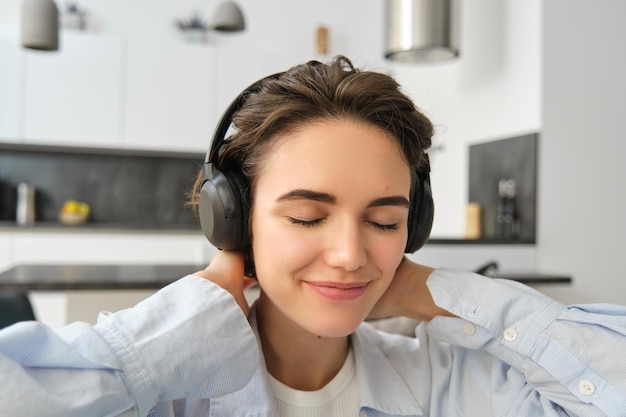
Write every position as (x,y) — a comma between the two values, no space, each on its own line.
(219,136)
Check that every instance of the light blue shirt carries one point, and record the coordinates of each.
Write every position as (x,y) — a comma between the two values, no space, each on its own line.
(173,344)
(511,352)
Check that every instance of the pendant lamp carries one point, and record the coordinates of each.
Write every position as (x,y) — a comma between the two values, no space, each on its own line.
(421,30)
(40,25)
(228,18)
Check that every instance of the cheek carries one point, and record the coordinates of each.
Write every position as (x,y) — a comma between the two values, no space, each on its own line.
(391,254)
(387,250)
(276,248)
(387,258)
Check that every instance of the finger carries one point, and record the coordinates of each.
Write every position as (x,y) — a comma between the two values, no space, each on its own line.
(249,282)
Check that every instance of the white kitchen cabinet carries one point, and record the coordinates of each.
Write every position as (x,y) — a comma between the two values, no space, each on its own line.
(10,84)
(170,95)
(74,96)
(108,247)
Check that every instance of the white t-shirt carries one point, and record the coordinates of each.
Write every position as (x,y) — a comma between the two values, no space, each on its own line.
(337,398)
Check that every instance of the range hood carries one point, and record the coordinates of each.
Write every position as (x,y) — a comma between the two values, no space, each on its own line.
(421,30)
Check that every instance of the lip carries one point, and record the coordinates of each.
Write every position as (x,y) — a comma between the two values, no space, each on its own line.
(339,291)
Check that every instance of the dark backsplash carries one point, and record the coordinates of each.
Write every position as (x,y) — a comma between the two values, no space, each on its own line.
(124,188)
(513,158)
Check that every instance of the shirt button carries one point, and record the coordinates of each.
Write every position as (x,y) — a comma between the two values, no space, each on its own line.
(469,328)
(510,334)
(586,387)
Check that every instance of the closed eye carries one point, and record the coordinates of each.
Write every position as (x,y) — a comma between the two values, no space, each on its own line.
(315,222)
(385,227)
(304,223)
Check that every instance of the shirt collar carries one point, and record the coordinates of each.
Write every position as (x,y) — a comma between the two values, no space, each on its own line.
(380,386)
(256,398)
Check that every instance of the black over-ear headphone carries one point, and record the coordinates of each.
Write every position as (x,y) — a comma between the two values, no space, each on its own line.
(225,196)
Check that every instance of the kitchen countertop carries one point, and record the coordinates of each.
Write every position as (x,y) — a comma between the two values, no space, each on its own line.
(65,277)
(532,277)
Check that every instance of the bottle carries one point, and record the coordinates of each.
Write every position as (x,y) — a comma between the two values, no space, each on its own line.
(473,226)
(25,211)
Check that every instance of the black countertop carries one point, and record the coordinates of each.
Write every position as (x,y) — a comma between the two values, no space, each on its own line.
(533,278)
(64,277)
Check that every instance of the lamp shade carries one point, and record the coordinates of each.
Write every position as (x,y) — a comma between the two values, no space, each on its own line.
(40,25)
(228,18)
(421,30)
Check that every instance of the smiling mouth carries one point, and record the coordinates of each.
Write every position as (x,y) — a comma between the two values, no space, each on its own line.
(338,291)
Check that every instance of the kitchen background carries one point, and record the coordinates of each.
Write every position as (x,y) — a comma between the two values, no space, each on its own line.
(132,85)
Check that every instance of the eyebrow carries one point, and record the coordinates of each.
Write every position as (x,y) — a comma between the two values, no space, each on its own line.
(301,194)
(396,200)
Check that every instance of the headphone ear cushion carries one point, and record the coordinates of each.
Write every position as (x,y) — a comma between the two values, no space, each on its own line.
(224,210)
(421,215)
(239,183)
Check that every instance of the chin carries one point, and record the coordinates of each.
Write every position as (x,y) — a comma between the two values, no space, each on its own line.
(331,326)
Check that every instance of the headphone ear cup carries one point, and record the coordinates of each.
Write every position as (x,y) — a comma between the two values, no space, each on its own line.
(421,215)
(224,209)
(224,200)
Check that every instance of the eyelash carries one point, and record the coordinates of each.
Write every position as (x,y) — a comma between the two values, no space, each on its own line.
(304,223)
(313,223)
(385,227)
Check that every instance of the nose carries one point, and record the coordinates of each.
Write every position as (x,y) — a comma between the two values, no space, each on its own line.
(346,246)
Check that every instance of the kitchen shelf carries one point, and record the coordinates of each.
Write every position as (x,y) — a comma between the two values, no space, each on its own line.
(89,227)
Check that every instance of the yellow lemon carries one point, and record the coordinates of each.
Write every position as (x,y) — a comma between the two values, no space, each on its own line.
(71,206)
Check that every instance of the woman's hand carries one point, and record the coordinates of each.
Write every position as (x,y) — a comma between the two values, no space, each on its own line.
(408,295)
(227,270)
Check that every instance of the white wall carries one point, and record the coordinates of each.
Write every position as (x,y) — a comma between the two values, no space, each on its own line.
(582,226)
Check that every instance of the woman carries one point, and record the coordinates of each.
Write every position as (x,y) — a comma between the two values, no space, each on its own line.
(331,158)
(330,163)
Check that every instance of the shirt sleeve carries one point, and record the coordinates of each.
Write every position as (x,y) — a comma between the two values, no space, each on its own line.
(572,358)
(190,339)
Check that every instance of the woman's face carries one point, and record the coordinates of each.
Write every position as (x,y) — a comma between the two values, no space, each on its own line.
(329,223)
